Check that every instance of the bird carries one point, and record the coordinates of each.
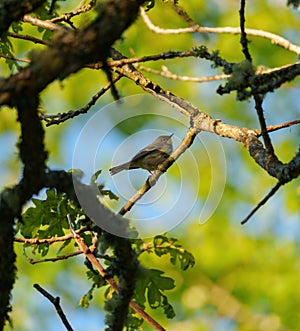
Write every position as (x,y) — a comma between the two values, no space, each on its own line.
(148,158)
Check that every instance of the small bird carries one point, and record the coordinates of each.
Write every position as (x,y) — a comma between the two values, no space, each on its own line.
(150,157)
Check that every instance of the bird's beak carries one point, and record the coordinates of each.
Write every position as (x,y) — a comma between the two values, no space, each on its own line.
(171,135)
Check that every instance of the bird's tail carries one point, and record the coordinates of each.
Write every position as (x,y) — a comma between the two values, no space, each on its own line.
(115,170)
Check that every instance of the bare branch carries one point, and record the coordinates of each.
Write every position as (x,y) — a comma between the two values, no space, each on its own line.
(29,38)
(53,259)
(42,24)
(67,16)
(62,117)
(243,39)
(165,72)
(56,303)
(275,39)
(264,132)
(14,58)
(272,128)
(154,57)
(262,202)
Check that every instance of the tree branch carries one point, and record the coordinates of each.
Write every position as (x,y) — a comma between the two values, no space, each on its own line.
(262,202)
(91,257)
(243,39)
(39,241)
(165,72)
(274,38)
(272,128)
(62,117)
(53,259)
(71,50)
(13,10)
(67,16)
(56,304)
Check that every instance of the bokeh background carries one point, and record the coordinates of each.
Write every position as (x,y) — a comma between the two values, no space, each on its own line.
(245,277)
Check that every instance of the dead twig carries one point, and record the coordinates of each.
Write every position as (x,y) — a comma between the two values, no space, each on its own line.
(262,202)
(56,303)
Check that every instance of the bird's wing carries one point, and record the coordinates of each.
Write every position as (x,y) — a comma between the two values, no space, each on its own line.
(142,153)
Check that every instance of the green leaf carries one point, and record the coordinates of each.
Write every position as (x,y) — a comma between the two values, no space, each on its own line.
(43,249)
(6,47)
(164,245)
(64,245)
(98,281)
(150,287)
(17,27)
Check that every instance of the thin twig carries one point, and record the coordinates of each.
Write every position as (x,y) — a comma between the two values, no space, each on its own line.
(154,57)
(167,74)
(56,303)
(14,58)
(262,202)
(274,38)
(91,257)
(114,92)
(67,16)
(260,113)
(54,259)
(181,12)
(29,38)
(272,128)
(62,117)
(243,39)
(42,24)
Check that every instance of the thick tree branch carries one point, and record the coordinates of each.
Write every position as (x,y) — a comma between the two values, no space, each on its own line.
(33,156)
(71,50)
(13,10)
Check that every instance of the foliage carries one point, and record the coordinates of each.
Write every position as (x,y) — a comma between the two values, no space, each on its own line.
(48,220)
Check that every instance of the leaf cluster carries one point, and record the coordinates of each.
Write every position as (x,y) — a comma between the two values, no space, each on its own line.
(47,219)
